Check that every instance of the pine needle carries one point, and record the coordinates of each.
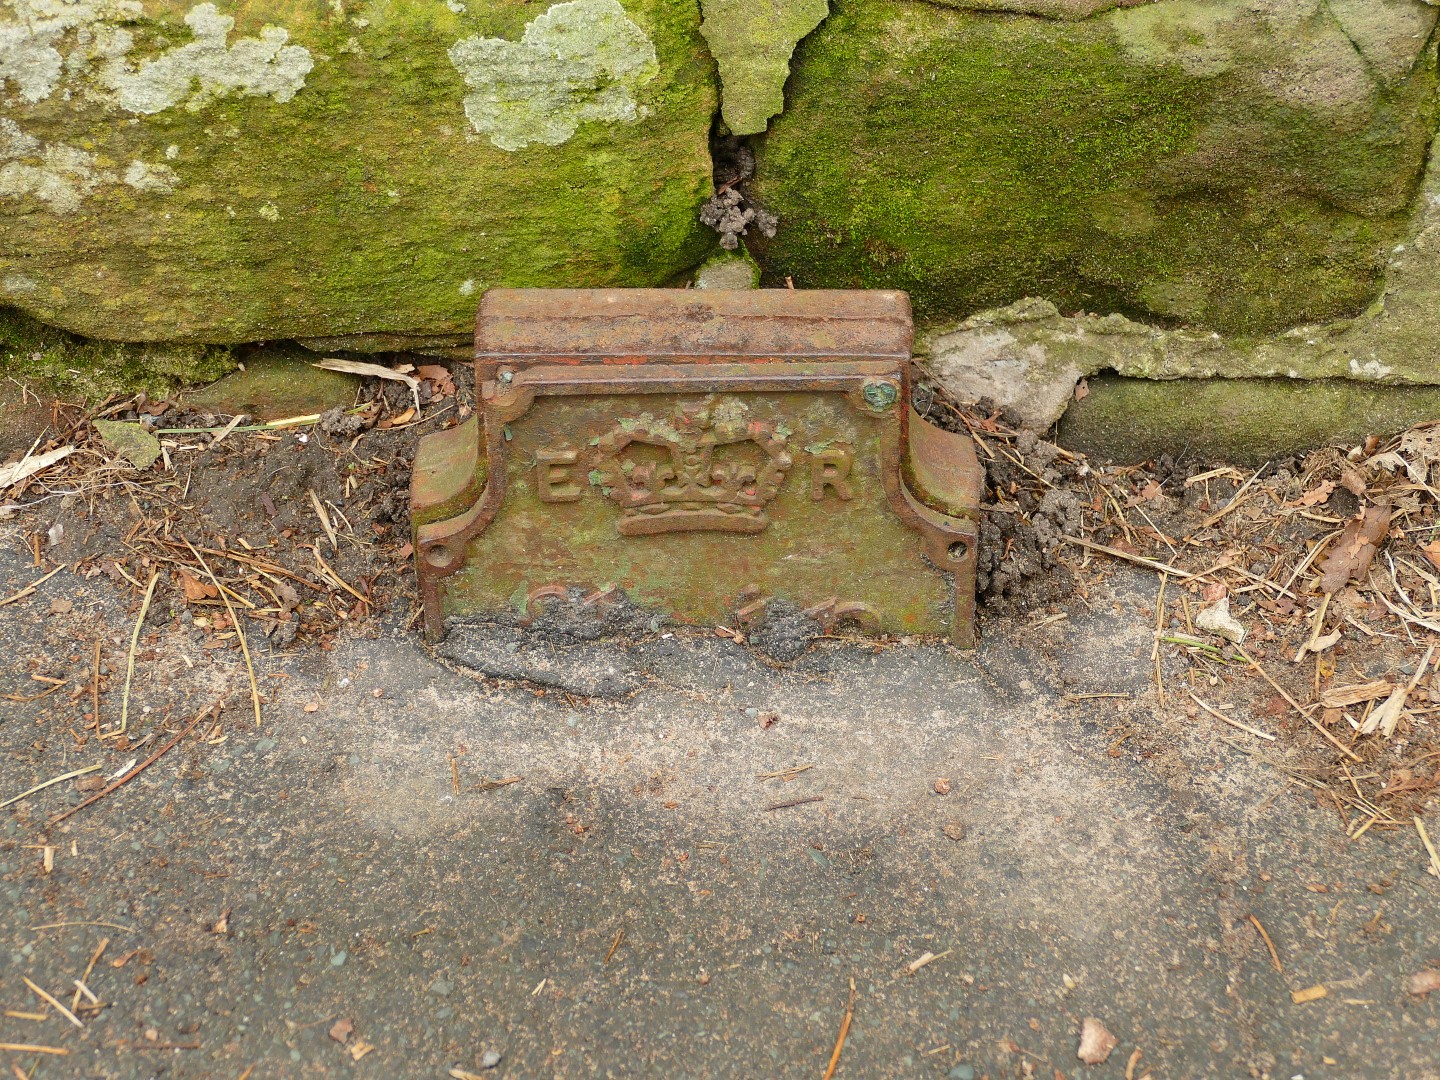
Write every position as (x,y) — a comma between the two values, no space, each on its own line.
(130,661)
(235,622)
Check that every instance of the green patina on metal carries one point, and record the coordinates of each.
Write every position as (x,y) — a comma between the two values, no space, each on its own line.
(705,453)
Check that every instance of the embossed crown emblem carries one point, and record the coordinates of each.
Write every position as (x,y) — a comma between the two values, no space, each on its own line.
(706,467)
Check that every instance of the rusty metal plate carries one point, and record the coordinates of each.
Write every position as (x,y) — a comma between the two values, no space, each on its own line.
(706,452)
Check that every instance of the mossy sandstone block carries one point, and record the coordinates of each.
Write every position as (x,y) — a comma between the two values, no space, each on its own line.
(266,169)
(1235,165)
(1237,420)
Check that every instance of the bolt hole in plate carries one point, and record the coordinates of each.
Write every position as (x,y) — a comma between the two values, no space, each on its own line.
(676,442)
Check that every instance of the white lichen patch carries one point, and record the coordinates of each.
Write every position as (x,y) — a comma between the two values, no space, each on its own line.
(82,48)
(160,179)
(62,176)
(30,58)
(580,61)
(19,284)
(207,68)
(1370,369)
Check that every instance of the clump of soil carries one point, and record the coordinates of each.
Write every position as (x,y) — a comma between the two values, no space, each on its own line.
(731,215)
(783,632)
(1034,495)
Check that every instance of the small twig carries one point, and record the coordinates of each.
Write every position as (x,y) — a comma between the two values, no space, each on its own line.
(1232,504)
(1309,645)
(1233,723)
(619,937)
(1149,564)
(227,429)
(844,1031)
(1159,629)
(320,513)
(289,421)
(1429,847)
(31,1048)
(1314,554)
(28,589)
(924,960)
(94,959)
(795,802)
(130,662)
(336,577)
(95,688)
(49,999)
(1297,706)
(1195,643)
(1274,956)
(491,785)
(136,771)
(235,622)
(53,780)
(784,774)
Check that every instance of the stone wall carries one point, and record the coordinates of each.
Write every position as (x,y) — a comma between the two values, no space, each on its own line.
(1161,188)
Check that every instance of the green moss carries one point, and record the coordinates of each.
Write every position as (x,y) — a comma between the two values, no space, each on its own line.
(366,203)
(1237,420)
(71,367)
(974,159)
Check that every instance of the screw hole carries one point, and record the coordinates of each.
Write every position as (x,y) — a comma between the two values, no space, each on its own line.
(958,550)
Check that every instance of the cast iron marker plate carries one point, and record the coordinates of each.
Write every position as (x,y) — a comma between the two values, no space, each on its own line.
(708,452)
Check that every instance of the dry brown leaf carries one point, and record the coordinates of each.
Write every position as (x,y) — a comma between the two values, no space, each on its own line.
(222,924)
(1423,982)
(1351,555)
(342,1029)
(1420,447)
(1096,1042)
(1351,480)
(1316,496)
(195,589)
(1431,551)
(439,377)
(1337,697)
